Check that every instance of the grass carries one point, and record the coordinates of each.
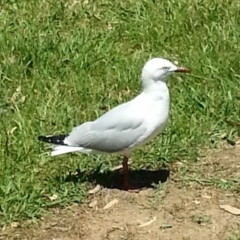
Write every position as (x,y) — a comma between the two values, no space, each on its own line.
(66,62)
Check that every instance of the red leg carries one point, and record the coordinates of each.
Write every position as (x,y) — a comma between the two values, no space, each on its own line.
(125,173)
(125,176)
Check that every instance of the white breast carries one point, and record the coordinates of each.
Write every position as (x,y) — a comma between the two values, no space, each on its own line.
(155,112)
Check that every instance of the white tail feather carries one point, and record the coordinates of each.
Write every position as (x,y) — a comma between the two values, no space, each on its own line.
(61,149)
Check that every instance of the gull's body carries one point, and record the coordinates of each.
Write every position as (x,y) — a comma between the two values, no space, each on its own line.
(123,128)
(128,125)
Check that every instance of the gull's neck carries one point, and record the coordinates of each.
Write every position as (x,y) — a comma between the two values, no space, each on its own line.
(156,90)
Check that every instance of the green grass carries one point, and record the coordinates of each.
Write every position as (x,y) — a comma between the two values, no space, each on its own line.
(66,62)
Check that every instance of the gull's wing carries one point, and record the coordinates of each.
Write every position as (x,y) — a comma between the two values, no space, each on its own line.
(120,128)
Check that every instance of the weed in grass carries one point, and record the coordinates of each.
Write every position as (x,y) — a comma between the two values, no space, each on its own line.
(200,219)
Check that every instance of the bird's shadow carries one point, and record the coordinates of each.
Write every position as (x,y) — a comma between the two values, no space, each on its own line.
(138,179)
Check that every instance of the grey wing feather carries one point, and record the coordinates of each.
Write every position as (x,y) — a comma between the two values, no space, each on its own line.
(112,132)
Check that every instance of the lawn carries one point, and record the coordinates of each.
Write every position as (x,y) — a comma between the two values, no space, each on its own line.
(66,62)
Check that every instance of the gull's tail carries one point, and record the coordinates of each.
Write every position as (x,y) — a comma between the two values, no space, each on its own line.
(58,144)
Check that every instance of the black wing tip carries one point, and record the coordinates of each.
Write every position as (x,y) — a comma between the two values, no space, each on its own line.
(53,139)
(41,138)
(47,139)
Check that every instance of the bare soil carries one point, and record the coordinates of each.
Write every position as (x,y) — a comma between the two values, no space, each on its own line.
(185,207)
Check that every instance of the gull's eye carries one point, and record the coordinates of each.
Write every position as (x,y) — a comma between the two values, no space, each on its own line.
(165,68)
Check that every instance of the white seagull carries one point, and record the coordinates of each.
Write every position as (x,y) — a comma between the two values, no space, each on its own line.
(128,125)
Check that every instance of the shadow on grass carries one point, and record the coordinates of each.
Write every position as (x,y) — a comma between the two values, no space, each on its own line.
(114,179)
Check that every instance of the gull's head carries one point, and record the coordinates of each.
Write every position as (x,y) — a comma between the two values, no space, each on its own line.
(158,69)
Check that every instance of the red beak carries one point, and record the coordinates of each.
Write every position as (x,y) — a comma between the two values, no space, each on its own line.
(182,70)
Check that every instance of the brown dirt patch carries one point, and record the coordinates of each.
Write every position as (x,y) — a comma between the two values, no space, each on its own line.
(181,211)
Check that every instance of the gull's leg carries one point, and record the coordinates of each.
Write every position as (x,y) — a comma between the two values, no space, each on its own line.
(125,173)
(126,186)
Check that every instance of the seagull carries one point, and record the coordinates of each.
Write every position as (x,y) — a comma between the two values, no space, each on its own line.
(128,125)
